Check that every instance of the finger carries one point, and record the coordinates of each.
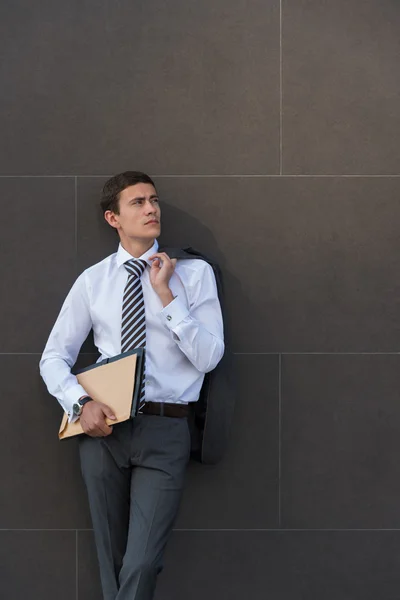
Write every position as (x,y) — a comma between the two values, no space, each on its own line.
(108,412)
(161,255)
(154,258)
(88,429)
(174,261)
(103,428)
(158,255)
(95,434)
(84,425)
(166,265)
(91,430)
(110,415)
(165,257)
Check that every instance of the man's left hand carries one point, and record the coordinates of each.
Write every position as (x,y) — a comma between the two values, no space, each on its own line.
(161,271)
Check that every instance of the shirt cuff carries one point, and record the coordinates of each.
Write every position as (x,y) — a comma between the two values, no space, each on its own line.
(174,313)
(72,396)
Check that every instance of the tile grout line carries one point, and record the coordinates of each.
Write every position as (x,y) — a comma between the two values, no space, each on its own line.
(279,439)
(36,176)
(280,93)
(47,530)
(76,225)
(284,529)
(205,176)
(262,529)
(270,175)
(244,353)
(76,564)
(290,530)
(316,353)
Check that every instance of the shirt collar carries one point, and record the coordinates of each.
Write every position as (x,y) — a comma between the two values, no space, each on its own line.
(123,255)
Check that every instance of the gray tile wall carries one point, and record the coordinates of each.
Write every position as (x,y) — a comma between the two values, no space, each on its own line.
(271,128)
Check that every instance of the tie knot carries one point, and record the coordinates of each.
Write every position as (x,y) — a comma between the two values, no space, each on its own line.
(135,267)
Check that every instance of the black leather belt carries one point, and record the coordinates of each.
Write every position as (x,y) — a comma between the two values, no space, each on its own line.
(165,409)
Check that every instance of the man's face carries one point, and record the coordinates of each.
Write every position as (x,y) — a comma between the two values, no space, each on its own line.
(139,212)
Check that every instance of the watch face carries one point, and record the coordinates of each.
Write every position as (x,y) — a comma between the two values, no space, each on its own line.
(76,408)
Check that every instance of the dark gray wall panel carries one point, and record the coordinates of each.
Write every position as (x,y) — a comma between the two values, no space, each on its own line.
(89,587)
(37,266)
(95,238)
(242,491)
(38,565)
(340,441)
(341,112)
(41,479)
(309,264)
(289,565)
(282,566)
(177,87)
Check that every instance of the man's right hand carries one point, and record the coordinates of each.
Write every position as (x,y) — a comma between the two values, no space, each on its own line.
(93,419)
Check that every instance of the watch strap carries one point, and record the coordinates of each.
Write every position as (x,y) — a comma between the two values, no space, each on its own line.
(84,400)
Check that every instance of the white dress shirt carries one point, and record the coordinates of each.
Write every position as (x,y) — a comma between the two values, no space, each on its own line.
(184,340)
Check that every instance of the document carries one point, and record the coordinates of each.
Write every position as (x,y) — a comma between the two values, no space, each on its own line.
(117,382)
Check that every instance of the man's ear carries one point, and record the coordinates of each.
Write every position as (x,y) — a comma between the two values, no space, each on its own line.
(112,219)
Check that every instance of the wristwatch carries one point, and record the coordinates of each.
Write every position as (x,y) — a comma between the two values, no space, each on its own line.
(79,404)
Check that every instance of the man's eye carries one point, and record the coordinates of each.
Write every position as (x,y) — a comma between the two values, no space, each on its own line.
(155,200)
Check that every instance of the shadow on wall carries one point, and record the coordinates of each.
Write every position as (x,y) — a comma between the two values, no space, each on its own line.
(181,229)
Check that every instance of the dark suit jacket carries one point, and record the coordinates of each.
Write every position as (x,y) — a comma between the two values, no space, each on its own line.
(212,414)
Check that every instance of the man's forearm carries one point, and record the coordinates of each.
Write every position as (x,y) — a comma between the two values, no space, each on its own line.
(165,295)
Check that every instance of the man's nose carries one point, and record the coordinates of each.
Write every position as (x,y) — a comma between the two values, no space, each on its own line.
(150,207)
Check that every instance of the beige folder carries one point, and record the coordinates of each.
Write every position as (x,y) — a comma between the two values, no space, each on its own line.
(114,384)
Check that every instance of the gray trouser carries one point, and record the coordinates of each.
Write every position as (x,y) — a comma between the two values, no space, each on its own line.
(134,480)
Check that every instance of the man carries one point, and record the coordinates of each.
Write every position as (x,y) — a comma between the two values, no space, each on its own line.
(137,297)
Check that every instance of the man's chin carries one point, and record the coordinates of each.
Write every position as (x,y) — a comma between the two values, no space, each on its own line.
(147,236)
(152,231)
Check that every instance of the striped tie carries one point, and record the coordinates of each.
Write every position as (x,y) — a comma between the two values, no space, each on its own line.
(133,329)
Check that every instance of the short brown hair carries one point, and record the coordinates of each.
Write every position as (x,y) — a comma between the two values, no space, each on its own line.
(114,186)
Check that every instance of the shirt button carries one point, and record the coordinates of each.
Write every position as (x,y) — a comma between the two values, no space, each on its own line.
(169,318)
